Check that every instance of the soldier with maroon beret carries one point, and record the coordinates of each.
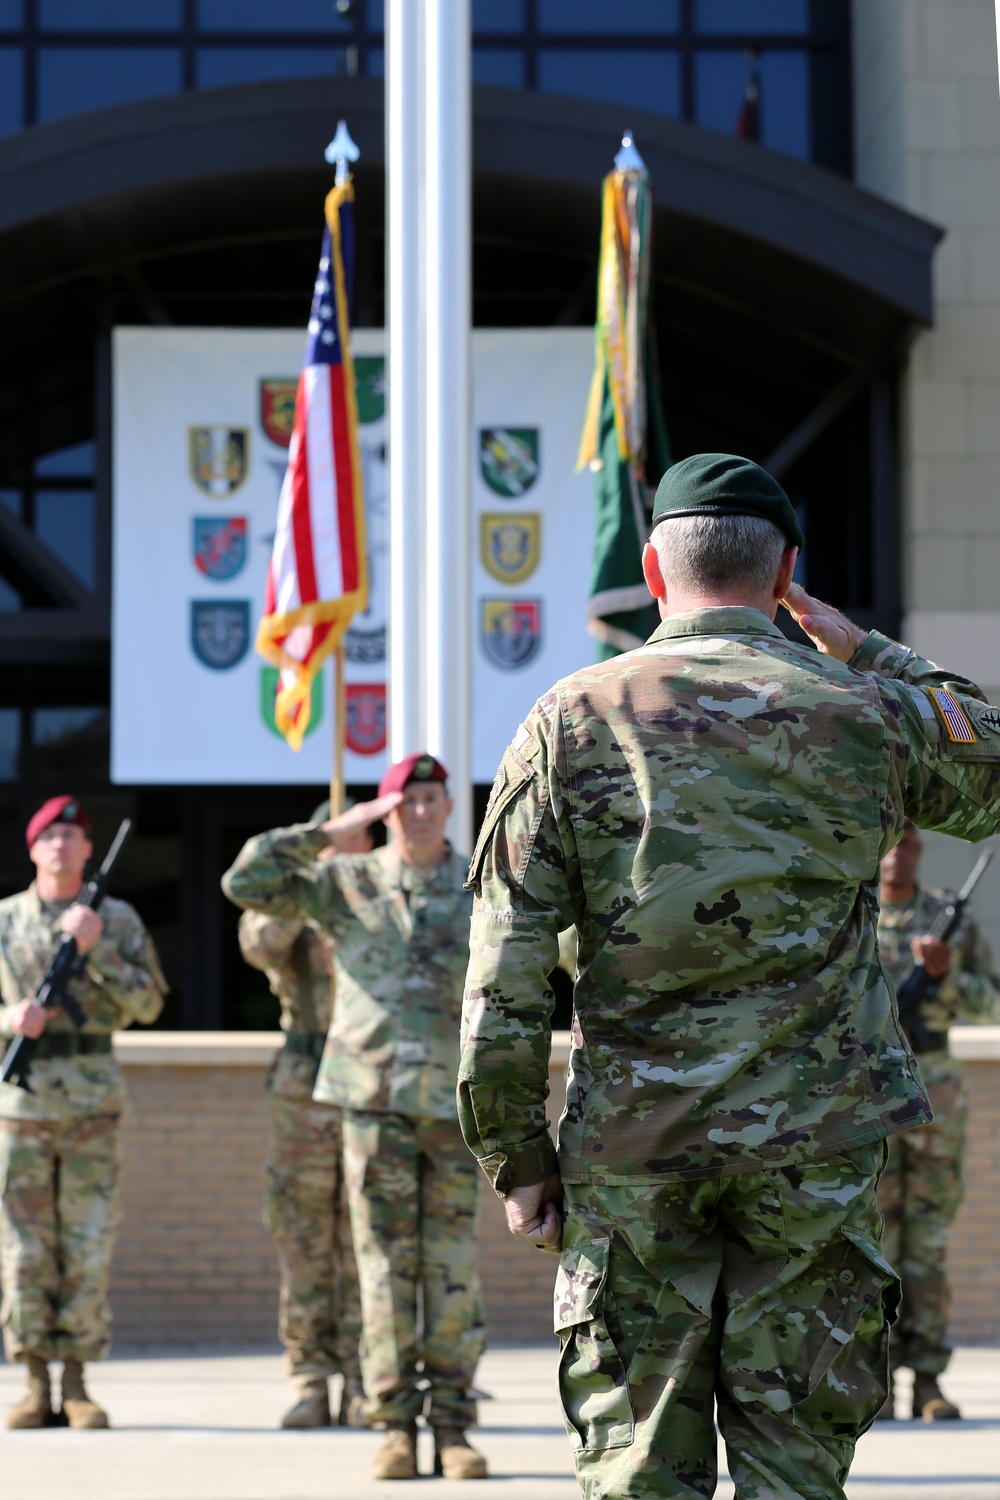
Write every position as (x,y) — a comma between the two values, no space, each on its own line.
(400,920)
(60,1149)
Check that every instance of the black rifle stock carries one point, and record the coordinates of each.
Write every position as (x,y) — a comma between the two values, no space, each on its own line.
(67,963)
(916,986)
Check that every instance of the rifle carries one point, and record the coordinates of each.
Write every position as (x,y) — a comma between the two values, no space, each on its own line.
(918,986)
(67,964)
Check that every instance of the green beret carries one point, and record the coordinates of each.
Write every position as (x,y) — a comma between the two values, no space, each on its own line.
(719,484)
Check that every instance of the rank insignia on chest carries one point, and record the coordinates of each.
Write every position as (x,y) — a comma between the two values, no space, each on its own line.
(509,545)
(959,730)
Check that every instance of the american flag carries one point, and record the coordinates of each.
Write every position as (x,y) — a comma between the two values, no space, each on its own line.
(960,731)
(318,576)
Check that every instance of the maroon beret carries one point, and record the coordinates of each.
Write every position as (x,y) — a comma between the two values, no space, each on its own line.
(419,767)
(57,810)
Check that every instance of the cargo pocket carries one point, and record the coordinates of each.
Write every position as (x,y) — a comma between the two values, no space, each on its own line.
(593,1389)
(277,1196)
(841,1376)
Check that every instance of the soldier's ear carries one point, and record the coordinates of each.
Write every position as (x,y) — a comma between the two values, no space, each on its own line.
(652,573)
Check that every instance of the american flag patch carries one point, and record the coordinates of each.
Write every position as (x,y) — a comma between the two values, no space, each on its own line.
(960,731)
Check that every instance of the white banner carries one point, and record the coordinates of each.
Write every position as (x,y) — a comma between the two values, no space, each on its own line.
(201,424)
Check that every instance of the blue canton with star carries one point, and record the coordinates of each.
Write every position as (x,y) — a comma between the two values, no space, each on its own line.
(324,339)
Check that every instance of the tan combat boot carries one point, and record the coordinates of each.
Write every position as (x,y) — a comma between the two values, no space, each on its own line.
(397,1457)
(77,1407)
(454,1455)
(930,1402)
(35,1407)
(312,1409)
(353,1410)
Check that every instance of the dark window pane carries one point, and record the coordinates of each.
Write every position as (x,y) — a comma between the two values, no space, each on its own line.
(271,15)
(10,599)
(597,15)
(496,15)
(721,80)
(498,67)
(646,80)
(77,462)
(11,14)
(753,17)
(376,62)
(10,742)
(65,522)
(70,742)
(109,15)
(218,66)
(74,79)
(14,501)
(376,15)
(11,76)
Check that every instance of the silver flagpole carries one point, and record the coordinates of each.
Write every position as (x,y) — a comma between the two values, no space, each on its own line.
(447,122)
(405,261)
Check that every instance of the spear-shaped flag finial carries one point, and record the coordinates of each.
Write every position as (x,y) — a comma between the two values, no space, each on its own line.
(340,151)
(628,158)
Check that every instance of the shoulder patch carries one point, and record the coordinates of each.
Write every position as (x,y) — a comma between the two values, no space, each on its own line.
(989,718)
(960,731)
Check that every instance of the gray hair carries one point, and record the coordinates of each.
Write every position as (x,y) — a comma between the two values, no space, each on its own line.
(696,552)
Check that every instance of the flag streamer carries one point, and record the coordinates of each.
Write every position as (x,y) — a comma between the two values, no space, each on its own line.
(624,438)
(318,575)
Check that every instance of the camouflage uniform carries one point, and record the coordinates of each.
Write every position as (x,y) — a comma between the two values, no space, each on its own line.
(60,1196)
(709,811)
(922,1185)
(305,1205)
(390,1062)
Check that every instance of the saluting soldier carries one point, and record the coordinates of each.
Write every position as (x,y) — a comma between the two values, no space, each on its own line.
(305,1207)
(709,812)
(399,919)
(922,1185)
(60,1146)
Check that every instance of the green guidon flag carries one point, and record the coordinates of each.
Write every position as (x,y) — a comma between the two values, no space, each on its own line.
(624,438)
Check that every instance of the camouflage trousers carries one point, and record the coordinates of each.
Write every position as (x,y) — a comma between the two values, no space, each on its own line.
(60,1208)
(414,1193)
(764,1294)
(305,1210)
(920,1194)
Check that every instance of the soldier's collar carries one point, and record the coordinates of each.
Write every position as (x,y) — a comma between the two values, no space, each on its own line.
(720,620)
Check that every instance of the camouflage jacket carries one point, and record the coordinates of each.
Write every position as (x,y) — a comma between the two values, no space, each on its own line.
(709,811)
(969,992)
(402,948)
(121,983)
(298,962)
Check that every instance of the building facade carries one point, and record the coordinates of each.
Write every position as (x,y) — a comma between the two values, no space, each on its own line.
(821,301)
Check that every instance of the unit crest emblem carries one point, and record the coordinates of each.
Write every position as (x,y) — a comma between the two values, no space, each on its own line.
(509,544)
(220,546)
(277,409)
(508,459)
(219,459)
(269,691)
(364,732)
(220,631)
(510,631)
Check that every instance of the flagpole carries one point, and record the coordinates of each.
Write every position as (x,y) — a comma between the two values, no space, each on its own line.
(337,791)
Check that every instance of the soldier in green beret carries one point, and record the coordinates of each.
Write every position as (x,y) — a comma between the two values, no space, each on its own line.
(709,812)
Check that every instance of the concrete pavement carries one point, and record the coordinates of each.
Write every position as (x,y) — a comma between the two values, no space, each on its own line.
(202,1426)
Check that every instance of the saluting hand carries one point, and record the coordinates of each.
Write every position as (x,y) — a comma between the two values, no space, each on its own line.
(84,925)
(360,815)
(832,632)
(535,1214)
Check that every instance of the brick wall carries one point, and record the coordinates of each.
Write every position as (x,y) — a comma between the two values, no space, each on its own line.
(194,1264)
